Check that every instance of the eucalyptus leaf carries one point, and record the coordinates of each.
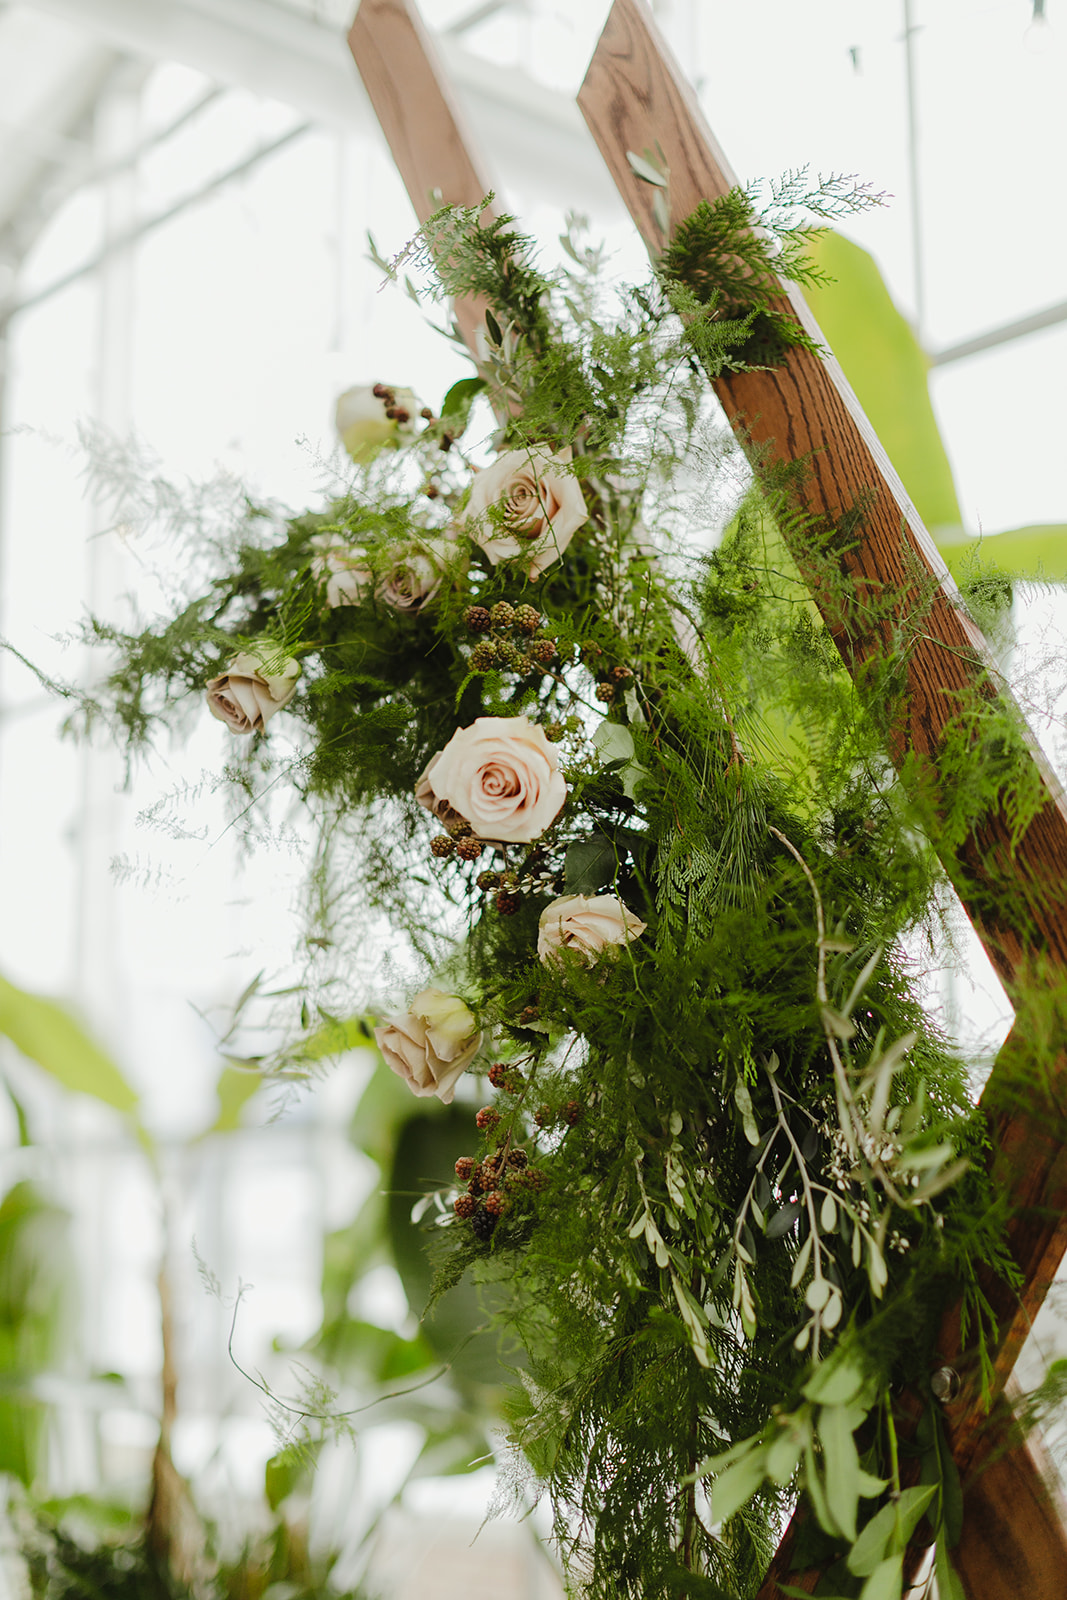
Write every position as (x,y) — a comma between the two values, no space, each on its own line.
(886,1582)
(643,169)
(783,1220)
(590,864)
(738,1484)
(841,1461)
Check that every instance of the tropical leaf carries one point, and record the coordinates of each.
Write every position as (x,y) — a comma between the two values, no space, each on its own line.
(49,1035)
(887,367)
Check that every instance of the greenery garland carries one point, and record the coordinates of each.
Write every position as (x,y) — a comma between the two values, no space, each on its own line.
(730,1173)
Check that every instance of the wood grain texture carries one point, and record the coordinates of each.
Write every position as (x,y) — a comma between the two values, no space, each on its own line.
(635,98)
(422,123)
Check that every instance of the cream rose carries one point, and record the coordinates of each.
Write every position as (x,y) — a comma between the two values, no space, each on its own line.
(413,578)
(255,685)
(588,924)
(363,425)
(501,775)
(523,506)
(348,578)
(432,1046)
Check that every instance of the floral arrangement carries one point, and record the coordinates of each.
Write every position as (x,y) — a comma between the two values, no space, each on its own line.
(610,782)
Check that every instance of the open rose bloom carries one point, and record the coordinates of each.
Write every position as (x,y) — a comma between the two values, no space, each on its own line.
(524,506)
(588,924)
(501,775)
(255,685)
(410,578)
(432,1045)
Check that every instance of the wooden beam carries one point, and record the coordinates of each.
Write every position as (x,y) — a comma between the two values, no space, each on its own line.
(636,98)
(422,123)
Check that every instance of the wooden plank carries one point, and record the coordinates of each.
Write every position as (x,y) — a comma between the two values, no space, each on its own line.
(422,123)
(633,98)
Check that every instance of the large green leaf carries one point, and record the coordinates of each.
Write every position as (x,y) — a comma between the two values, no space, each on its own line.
(425,1158)
(1037,552)
(49,1035)
(887,368)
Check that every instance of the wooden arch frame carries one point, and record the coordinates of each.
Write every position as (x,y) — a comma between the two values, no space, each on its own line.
(634,96)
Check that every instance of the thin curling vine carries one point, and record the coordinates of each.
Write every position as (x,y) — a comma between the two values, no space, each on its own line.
(589,768)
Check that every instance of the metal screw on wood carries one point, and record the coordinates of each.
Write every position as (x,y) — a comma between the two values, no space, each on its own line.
(945,1384)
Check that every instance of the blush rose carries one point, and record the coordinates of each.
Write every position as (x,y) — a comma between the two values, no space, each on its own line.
(432,1045)
(588,924)
(524,506)
(501,775)
(256,684)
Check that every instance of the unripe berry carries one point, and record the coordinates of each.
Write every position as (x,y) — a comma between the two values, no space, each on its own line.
(488,880)
(507,904)
(572,1113)
(543,650)
(483,656)
(496,1203)
(605,692)
(464,1205)
(464,1168)
(469,849)
(487,1118)
(554,732)
(442,845)
(620,674)
(526,620)
(502,615)
(517,1159)
(497,1074)
(477,619)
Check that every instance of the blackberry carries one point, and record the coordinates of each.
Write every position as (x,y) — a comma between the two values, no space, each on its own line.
(483,656)
(502,615)
(469,849)
(487,1118)
(498,1074)
(464,1168)
(464,1205)
(524,665)
(518,1159)
(544,1116)
(620,674)
(442,845)
(572,1113)
(605,692)
(529,1014)
(543,650)
(482,1225)
(460,829)
(496,1203)
(536,1179)
(507,904)
(526,620)
(477,619)
(488,880)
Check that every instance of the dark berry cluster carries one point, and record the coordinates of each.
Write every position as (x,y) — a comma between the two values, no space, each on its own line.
(497,1180)
(507,639)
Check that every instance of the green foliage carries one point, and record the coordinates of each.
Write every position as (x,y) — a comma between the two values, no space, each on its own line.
(34,1303)
(730,1173)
